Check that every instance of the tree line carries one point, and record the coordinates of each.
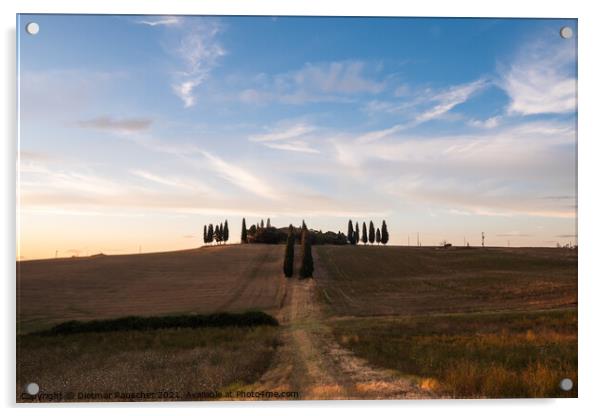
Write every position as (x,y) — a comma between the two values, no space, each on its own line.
(380,235)
(218,233)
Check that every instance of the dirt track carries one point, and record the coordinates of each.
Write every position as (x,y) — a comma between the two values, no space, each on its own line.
(312,363)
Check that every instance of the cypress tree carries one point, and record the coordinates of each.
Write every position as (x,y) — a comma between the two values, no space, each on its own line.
(268,225)
(307,261)
(289,253)
(371,233)
(384,237)
(364,234)
(243,233)
(261,223)
(378,236)
(357,233)
(350,235)
(226,232)
(205,234)
(210,234)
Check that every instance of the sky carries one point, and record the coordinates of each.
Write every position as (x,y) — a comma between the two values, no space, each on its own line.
(135,131)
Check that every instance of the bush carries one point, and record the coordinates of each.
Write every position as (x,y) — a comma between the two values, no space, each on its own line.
(139,323)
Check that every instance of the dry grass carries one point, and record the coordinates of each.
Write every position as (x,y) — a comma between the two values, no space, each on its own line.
(372,281)
(212,279)
(472,355)
(176,361)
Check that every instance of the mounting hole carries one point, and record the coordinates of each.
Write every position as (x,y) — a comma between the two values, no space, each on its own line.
(566,32)
(32,28)
(566,384)
(32,389)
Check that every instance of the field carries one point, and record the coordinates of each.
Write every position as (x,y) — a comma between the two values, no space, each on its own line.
(372,281)
(172,364)
(212,279)
(466,322)
(374,322)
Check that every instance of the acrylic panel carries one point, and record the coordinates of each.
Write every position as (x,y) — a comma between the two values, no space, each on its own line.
(295,208)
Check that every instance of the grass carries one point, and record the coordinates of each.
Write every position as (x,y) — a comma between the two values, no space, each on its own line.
(183,363)
(501,355)
(247,319)
(374,281)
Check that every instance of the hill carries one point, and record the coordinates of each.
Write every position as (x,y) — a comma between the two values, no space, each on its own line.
(230,278)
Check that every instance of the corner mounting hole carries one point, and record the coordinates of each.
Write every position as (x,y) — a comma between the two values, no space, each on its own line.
(566,384)
(32,389)
(566,32)
(32,28)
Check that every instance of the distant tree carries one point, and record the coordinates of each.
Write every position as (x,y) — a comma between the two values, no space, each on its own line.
(357,233)
(243,233)
(268,225)
(371,233)
(253,230)
(384,233)
(205,234)
(210,234)
(378,236)
(217,234)
(226,235)
(289,253)
(303,226)
(364,234)
(350,235)
(261,224)
(307,261)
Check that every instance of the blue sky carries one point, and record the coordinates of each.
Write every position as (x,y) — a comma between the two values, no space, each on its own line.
(137,130)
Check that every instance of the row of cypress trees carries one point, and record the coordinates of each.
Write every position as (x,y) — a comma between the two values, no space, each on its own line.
(381,235)
(218,233)
(307,262)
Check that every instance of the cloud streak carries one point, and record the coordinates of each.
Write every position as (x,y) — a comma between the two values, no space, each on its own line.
(129,125)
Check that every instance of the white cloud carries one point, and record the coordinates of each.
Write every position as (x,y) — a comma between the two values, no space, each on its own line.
(286,133)
(339,81)
(175,182)
(287,138)
(502,171)
(160,21)
(489,123)
(541,79)
(450,98)
(241,177)
(196,47)
(293,146)
(200,51)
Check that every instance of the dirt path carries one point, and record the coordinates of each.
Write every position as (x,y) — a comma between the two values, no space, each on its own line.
(311,362)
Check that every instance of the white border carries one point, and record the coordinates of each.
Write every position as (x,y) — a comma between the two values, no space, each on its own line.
(590,207)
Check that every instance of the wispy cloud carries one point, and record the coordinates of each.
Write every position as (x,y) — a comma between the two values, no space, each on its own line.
(241,177)
(450,98)
(200,51)
(175,182)
(338,81)
(128,125)
(487,173)
(542,79)
(421,105)
(196,48)
(287,138)
(160,21)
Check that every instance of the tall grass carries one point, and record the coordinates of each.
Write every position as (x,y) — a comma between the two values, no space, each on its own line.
(175,361)
(473,355)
